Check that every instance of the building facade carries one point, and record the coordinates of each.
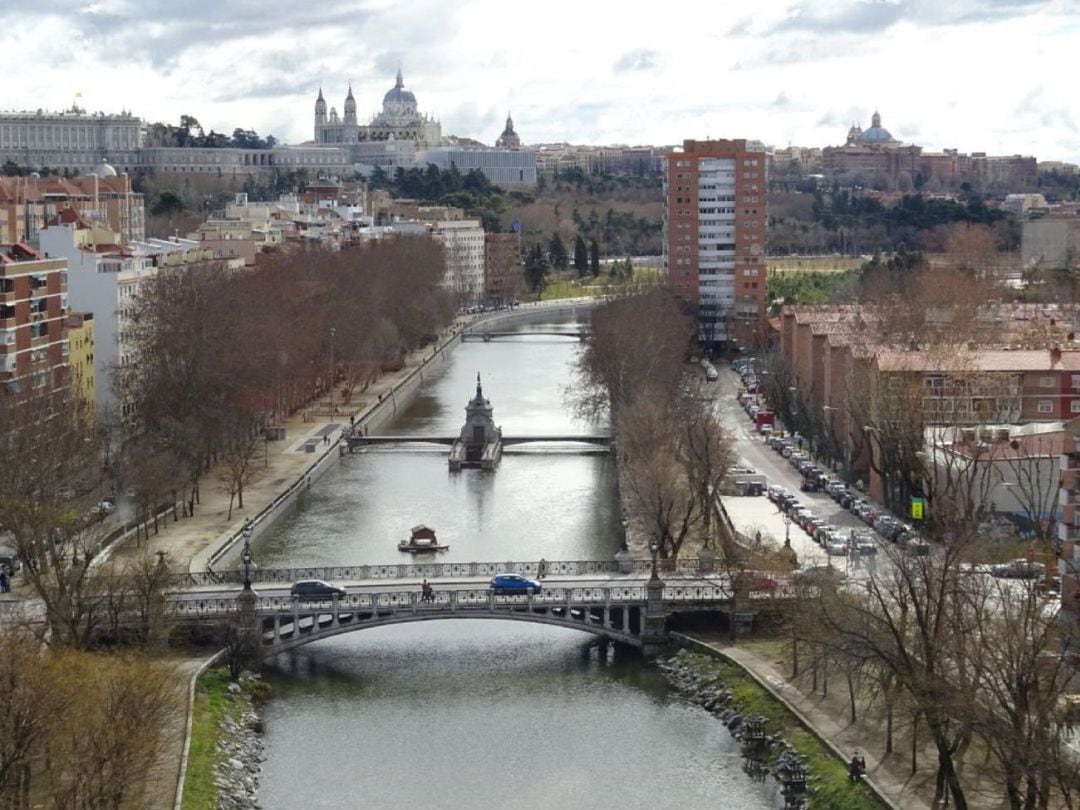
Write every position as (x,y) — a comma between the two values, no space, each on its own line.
(72,139)
(463,241)
(33,335)
(81,374)
(508,168)
(714,235)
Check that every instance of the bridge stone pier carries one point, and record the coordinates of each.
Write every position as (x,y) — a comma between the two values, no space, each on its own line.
(631,608)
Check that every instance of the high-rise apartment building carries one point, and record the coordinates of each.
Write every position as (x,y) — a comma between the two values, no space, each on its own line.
(714,235)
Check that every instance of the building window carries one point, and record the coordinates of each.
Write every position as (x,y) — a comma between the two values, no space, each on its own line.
(1074,406)
(1046,382)
(1046,406)
(1076,380)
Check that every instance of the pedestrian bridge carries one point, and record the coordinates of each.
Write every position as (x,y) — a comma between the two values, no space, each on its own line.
(621,603)
(353,441)
(488,336)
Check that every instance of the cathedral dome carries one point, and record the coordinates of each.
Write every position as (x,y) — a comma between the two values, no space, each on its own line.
(876,133)
(398,93)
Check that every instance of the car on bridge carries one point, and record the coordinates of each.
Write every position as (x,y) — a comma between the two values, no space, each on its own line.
(514,584)
(315,589)
(1018,569)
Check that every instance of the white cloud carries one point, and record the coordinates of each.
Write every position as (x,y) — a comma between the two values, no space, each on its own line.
(992,75)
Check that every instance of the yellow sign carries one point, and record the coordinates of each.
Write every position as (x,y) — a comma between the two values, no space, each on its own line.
(917,505)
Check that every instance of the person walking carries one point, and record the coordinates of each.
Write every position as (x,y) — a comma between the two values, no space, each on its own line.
(541,568)
(5,583)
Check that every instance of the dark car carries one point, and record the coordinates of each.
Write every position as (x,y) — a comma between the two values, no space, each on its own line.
(315,589)
(514,584)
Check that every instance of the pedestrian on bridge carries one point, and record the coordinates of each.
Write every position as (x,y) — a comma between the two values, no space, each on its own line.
(5,583)
(541,568)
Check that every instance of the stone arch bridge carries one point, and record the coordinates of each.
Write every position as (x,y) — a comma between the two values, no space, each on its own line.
(621,602)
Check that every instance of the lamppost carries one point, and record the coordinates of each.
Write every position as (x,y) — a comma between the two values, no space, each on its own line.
(654,550)
(787,530)
(625,531)
(847,440)
(245,555)
(333,331)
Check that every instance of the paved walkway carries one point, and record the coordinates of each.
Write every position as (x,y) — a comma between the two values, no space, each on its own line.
(285,460)
(829,718)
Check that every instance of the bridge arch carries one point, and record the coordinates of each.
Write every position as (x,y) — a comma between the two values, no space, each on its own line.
(279,633)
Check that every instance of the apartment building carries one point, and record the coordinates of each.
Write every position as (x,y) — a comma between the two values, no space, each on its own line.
(33,336)
(463,241)
(81,374)
(714,235)
(28,203)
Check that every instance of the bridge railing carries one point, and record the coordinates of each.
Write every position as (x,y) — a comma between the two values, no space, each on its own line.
(409,598)
(419,571)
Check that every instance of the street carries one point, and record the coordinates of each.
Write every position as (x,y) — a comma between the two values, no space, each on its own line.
(751,514)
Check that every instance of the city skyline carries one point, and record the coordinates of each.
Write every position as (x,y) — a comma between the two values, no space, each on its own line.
(982,76)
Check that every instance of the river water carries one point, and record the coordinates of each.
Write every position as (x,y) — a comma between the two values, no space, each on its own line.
(478,714)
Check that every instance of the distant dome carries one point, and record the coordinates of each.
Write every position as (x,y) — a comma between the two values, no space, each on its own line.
(398,92)
(103,169)
(876,133)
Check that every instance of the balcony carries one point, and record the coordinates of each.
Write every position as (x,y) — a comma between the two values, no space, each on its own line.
(1069,461)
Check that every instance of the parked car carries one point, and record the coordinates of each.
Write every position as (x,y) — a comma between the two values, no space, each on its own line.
(774,493)
(823,533)
(864,544)
(10,560)
(514,584)
(836,548)
(315,589)
(106,506)
(1018,569)
(847,498)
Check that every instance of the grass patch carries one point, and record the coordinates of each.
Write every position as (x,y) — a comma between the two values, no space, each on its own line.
(212,703)
(828,776)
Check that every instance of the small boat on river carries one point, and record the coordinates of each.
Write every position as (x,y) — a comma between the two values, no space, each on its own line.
(421,538)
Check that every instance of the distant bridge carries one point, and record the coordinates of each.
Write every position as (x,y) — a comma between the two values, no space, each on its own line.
(488,336)
(351,442)
(621,603)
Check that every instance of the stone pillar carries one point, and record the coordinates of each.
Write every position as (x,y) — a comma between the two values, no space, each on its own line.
(250,630)
(654,631)
(706,560)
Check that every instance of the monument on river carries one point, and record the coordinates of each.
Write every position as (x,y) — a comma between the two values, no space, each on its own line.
(479,445)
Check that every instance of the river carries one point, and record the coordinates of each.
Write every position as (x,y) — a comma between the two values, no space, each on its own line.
(477,714)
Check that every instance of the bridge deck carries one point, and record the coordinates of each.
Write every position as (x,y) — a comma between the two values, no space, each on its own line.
(361,441)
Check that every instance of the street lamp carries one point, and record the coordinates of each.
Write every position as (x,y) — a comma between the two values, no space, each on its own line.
(625,529)
(654,550)
(333,331)
(245,555)
(787,530)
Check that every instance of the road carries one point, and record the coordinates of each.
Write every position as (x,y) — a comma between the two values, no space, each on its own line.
(751,514)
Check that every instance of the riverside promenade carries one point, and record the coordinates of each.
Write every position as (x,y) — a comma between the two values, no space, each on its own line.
(188,540)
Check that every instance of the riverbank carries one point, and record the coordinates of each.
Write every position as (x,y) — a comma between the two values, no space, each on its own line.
(778,737)
(226,749)
(827,714)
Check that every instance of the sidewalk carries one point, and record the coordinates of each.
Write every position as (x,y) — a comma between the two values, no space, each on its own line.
(285,460)
(828,716)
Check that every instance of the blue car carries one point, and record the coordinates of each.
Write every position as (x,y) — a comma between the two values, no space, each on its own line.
(514,584)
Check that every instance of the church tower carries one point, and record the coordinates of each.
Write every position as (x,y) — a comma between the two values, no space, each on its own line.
(350,108)
(320,116)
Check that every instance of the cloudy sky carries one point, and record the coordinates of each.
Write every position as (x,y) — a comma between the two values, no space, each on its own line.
(991,75)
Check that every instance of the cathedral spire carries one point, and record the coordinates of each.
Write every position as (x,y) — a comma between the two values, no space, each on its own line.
(350,95)
(400,79)
(479,390)
(320,98)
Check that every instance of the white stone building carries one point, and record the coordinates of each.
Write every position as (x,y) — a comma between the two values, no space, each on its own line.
(72,139)
(463,241)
